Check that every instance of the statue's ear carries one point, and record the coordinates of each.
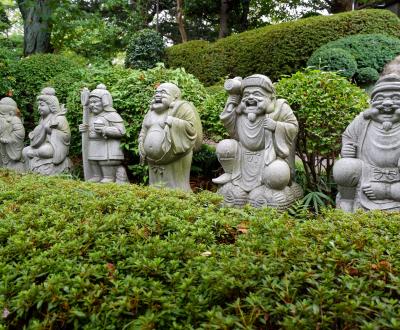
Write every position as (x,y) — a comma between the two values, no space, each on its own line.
(107,100)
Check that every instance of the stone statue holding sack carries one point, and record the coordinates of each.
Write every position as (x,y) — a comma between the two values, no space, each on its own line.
(50,140)
(102,130)
(368,175)
(171,130)
(258,159)
(12,134)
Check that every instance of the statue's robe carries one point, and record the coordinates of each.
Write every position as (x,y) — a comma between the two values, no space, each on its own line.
(14,132)
(259,147)
(380,152)
(174,145)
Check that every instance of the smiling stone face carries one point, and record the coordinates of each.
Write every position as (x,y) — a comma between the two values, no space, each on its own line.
(165,94)
(387,106)
(255,101)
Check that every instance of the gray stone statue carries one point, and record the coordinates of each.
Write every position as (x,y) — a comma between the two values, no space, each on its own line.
(12,134)
(102,130)
(368,174)
(50,140)
(259,158)
(170,131)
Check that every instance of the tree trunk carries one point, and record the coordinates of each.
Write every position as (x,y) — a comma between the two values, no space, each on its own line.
(244,20)
(180,21)
(339,6)
(223,19)
(37,25)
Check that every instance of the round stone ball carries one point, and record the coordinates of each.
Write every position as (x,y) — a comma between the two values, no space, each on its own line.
(277,174)
(347,172)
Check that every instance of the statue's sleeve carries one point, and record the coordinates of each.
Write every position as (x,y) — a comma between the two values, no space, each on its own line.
(116,127)
(228,118)
(60,139)
(286,130)
(182,132)
(352,133)
(16,144)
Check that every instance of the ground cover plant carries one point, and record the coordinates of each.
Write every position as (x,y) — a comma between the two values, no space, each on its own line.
(87,256)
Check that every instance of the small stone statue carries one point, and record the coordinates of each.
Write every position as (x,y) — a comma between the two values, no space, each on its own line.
(50,140)
(368,174)
(102,130)
(12,134)
(259,158)
(170,131)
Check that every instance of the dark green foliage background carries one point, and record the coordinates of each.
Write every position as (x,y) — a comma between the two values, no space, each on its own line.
(370,51)
(79,255)
(276,49)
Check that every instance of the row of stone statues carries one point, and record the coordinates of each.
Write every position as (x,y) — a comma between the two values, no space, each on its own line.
(258,159)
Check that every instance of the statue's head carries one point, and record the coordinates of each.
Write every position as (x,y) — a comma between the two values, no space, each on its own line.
(258,95)
(48,102)
(8,107)
(100,100)
(385,101)
(165,96)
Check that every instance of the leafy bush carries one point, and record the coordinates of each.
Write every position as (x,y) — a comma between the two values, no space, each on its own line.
(89,256)
(334,59)
(275,49)
(145,50)
(324,104)
(32,74)
(371,51)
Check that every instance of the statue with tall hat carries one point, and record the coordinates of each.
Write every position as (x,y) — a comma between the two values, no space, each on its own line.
(102,130)
(171,130)
(50,140)
(368,173)
(12,134)
(258,159)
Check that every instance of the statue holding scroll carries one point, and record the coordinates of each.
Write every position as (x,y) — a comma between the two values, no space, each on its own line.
(102,130)
(49,142)
(171,130)
(12,134)
(259,158)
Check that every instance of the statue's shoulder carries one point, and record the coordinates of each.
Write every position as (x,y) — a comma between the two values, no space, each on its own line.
(184,104)
(113,116)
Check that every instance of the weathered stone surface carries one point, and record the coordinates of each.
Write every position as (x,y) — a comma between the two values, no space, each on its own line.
(170,131)
(102,130)
(259,158)
(368,174)
(50,140)
(12,134)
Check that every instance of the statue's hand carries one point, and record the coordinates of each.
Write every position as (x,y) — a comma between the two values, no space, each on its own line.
(83,128)
(349,150)
(270,124)
(48,129)
(31,153)
(168,121)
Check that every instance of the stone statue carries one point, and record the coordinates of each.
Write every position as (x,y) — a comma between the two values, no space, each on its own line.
(102,130)
(258,160)
(170,131)
(12,134)
(368,174)
(50,140)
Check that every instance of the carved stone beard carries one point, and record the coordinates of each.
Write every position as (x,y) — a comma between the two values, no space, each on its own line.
(387,125)
(254,111)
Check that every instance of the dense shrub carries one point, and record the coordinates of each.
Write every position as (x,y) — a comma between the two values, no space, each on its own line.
(324,104)
(334,59)
(7,79)
(370,51)
(89,256)
(276,49)
(145,50)
(32,74)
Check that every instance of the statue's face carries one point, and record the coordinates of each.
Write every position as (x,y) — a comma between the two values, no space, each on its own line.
(386,107)
(255,101)
(44,108)
(96,105)
(162,99)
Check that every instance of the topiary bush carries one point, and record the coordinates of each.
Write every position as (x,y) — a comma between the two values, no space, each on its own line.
(324,104)
(275,49)
(370,51)
(334,59)
(89,256)
(145,50)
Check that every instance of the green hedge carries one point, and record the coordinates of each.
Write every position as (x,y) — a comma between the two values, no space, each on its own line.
(276,49)
(89,256)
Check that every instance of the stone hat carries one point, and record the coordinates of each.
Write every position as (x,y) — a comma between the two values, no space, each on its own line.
(8,104)
(48,95)
(385,83)
(102,93)
(258,80)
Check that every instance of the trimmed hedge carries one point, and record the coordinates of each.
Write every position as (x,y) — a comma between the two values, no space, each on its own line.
(275,49)
(89,256)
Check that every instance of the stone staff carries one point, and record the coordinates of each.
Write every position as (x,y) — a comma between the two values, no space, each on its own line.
(85,135)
